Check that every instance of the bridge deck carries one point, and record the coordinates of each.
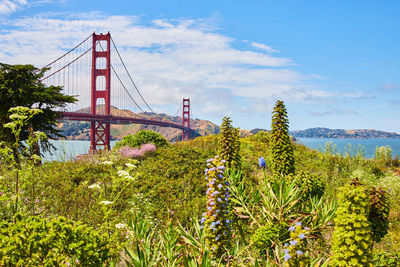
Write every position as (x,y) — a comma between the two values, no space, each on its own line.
(119,120)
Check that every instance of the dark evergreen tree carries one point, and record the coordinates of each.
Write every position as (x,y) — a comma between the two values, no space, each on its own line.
(229,143)
(281,146)
(20,85)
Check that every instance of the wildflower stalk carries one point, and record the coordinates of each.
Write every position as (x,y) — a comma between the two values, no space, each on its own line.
(216,220)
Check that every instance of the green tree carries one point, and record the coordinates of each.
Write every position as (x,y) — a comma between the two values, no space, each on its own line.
(281,146)
(229,143)
(143,137)
(20,85)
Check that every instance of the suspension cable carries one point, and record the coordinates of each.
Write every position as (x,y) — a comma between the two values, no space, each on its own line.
(119,55)
(67,52)
(126,90)
(48,76)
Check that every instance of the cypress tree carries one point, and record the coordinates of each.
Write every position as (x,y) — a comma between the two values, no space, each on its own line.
(229,143)
(281,146)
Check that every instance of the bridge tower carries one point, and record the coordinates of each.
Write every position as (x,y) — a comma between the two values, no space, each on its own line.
(186,119)
(100,130)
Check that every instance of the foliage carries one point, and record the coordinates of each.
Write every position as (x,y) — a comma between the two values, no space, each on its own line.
(142,137)
(20,85)
(352,241)
(130,152)
(268,235)
(295,249)
(379,213)
(281,146)
(216,223)
(312,184)
(229,144)
(33,241)
(383,153)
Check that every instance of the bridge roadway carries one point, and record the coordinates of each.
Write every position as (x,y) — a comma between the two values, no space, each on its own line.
(74,116)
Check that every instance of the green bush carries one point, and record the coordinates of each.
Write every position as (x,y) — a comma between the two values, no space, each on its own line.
(38,242)
(269,234)
(142,137)
(379,213)
(313,185)
(352,238)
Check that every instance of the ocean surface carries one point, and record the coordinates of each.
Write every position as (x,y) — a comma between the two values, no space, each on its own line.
(68,149)
(366,146)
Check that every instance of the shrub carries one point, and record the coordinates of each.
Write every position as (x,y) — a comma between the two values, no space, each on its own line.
(379,213)
(312,184)
(352,238)
(281,146)
(229,144)
(36,242)
(269,234)
(142,137)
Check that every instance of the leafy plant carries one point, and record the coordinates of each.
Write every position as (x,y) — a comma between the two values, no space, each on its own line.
(352,238)
(141,138)
(229,144)
(281,146)
(379,213)
(33,241)
(313,185)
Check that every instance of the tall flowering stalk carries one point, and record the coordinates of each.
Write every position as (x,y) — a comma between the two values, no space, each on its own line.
(295,249)
(216,220)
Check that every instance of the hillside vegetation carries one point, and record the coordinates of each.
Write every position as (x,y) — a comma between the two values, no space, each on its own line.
(180,205)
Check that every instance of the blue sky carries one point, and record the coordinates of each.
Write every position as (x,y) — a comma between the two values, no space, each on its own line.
(336,64)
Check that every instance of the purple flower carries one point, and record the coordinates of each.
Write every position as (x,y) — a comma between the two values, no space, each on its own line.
(221,167)
(298,223)
(292,228)
(220,186)
(306,228)
(219,199)
(293,242)
(302,236)
(299,252)
(287,257)
(261,162)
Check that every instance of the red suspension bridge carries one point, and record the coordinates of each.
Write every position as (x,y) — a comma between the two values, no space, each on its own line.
(89,71)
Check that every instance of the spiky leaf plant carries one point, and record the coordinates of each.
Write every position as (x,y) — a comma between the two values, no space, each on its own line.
(352,238)
(281,146)
(229,144)
(379,213)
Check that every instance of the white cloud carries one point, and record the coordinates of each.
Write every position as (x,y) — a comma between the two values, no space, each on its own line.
(10,6)
(169,60)
(264,47)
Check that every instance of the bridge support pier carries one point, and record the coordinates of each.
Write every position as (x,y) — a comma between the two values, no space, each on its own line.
(100,130)
(186,119)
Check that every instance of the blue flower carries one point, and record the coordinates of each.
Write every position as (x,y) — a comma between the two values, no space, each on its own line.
(286,251)
(209,160)
(212,203)
(302,236)
(216,238)
(299,252)
(218,222)
(209,208)
(227,184)
(217,211)
(219,199)
(306,228)
(208,164)
(221,167)
(261,162)
(202,226)
(287,257)
(220,186)
(292,228)
(293,242)
(298,223)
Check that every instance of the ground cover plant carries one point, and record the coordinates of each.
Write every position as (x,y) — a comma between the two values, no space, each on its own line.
(181,205)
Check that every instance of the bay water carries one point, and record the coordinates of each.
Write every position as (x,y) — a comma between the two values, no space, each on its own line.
(68,149)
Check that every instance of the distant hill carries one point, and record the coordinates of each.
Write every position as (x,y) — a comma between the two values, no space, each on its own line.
(74,130)
(341,133)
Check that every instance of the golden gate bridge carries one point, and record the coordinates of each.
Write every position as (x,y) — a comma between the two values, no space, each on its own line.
(89,71)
